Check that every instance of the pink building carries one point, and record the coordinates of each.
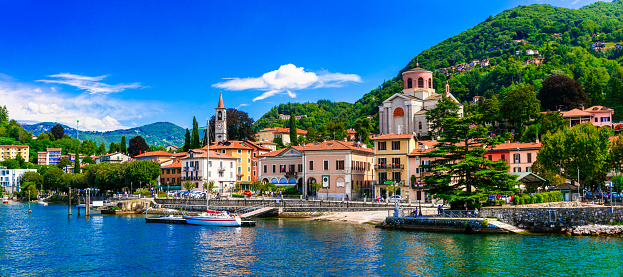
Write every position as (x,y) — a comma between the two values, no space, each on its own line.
(597,115)
(342,169)
(520,156)
(417,158)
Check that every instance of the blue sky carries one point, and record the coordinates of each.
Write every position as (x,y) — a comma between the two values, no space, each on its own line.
(120,64)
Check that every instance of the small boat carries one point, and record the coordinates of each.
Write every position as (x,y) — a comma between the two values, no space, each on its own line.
(42,203)
(215,218)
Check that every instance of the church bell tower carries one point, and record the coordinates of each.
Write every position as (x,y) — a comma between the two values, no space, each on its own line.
(220,122)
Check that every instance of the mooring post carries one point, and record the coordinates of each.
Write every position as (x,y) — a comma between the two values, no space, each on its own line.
(69,202)
(87,211)
(29,210)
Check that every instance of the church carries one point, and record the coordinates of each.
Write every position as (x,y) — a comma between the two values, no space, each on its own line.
(405,112)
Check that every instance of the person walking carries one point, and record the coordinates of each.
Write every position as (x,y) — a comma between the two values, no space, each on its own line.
(439,210)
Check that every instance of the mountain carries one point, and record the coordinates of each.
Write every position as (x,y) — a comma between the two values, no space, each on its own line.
(159,133)
(583,44)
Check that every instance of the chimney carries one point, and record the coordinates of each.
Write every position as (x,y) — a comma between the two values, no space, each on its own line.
(582,105)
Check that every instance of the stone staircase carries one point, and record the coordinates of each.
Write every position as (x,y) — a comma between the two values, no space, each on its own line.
(508,227)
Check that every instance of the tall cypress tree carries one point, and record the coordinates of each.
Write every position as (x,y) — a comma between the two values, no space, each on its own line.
(123,148)
(293,133)
(194,140)
(77,163)
(187,140)
(112,148)
(593,88)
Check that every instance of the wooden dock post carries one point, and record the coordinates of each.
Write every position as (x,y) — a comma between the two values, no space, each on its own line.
(87,211)
(69,202)
(29,210)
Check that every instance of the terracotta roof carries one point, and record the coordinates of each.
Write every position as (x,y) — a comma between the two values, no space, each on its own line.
(174,164)
(393,136)
(18,146)
(575,113)
(220,102)
(257,145)
(283,130)
(515,145)
(351,131)
(598,109)
(266,142)
(334,145)
(274,153)
(154,154)
(183,154)
(422,147)
(229,144)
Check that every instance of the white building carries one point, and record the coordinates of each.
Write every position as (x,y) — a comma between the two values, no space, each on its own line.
(10,178)
(222,169)
(405,112)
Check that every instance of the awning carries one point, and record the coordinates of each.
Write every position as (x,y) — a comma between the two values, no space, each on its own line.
(169,187)
(528,177)
(388,183)
(292,181)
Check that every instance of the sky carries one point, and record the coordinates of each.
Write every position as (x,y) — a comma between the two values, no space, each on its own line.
(122,64)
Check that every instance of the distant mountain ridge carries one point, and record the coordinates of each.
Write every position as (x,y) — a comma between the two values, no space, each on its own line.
(159,133)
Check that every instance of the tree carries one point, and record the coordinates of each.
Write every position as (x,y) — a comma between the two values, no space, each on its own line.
(87,160)
(52,178)
(562,91)
(490,110)
(112,148)
(187,140)
(293,133)
(141,172)
(583,148)
(593,88)
(63,163)
(77,163)
(58,132)
(30,187)
(137,146)
(446,108)
(614,93)
(4,115)
(188,185)
(194,139)
(335,131)
(460,173)
(33,177)
(279,142)
(102,149)
(363,128)
(520,106)
(312,135)
(123,145)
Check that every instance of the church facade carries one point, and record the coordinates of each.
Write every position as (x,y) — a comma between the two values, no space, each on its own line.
(405,112)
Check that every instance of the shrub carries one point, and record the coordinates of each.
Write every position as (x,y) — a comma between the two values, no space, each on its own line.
(516,200)
(115,208)
(522,201)
(237,195)
(539,198)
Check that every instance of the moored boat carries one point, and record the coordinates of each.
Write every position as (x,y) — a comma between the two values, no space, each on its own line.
(215,218)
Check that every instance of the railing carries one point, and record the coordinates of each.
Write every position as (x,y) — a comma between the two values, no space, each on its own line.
(381,166)
(221,169)
(397,166)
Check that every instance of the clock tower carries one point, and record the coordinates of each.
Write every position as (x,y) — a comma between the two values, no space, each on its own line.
(220,122)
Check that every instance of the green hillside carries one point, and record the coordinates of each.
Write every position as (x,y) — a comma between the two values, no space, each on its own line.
(563,37)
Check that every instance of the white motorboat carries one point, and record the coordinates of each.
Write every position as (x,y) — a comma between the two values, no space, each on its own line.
(42,203)
(215,218)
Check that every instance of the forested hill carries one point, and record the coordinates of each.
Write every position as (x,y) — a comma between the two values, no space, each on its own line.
(159,133)
(581,44)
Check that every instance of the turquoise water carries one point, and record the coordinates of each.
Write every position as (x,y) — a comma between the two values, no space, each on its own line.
(48,243)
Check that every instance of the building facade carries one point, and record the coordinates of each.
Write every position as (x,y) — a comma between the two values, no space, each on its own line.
(220,167)
(392,165)
(51,156)
(155,156)
(519,156)
(405,112)
(10,179)
(12,151)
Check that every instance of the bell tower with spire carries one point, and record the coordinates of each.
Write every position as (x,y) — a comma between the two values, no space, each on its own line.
(220,122)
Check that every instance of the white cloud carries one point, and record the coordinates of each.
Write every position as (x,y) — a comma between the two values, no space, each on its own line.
(90,84)
(241,105)
(286,80)
(32,103)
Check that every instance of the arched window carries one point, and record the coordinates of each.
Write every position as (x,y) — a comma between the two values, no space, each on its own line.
(409,83)
(420,82)
(219,115)
(430,83)
(399,112)
(420,126)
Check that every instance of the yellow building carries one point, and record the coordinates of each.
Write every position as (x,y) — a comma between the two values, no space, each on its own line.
(12,151)
(392,165)
(243,154)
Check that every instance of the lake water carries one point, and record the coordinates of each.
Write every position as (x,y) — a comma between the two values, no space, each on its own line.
(48,243)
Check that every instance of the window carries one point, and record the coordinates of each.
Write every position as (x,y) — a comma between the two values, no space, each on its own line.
(395,145)
(248,178)
(249,152)
(248,160)
(239,160)
(430,83)
(420,125)
(290,168)
(254,154)
(282,168)
(382,177)
(248,169)
(528,169)
(311,165)
(221,174)
(409,83)
(381,145)
(596,119)
(529,158)
(490,157)
(239,151)
(210,163)
(325,165)
(300,168)
(382,161)
(254,163)
(231,164)
(339,164)
(223,151)
(395,161)
(420,82)
(517,158)
(396,176)
(209,173)
(254,173)
(265,169)
(240,170)
(274,168)
(503,157)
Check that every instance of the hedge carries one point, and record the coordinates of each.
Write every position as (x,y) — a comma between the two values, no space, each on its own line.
(543,197)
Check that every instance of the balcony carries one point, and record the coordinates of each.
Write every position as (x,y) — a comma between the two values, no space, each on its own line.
(291,174)
(381,167)
(389,166)
(382,182)
(221,169)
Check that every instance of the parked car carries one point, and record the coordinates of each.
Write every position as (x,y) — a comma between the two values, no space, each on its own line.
(395,198)
(379,199)
(246,192)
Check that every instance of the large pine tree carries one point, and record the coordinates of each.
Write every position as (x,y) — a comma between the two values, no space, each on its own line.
(187,140)
(293,133)
(123,148)
(194,140)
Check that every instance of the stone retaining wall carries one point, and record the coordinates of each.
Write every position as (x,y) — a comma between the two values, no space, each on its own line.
(552,219)
(460,225)
(288,203)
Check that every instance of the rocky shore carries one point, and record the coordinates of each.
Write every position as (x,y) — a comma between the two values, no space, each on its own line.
(595,230)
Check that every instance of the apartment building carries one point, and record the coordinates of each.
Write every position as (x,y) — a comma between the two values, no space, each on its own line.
(12,151)
(51,156)
(392,164)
